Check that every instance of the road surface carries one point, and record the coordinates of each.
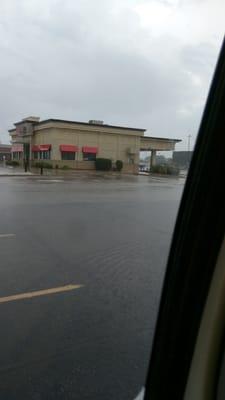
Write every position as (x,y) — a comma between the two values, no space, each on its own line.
(82,264)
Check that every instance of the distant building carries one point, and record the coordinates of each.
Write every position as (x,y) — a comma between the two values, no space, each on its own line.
(182,158)
(5,152)
(77,144)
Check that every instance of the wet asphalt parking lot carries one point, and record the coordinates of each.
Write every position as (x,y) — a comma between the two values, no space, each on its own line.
(109,236)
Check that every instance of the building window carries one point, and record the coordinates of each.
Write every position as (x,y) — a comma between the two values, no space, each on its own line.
(89,156)
(45,155)
(68,155)
(130,160)
(17,155)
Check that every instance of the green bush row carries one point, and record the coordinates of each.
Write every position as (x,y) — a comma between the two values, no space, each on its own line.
(13,163)
(43,164)
(105,164)
(101,164)
(65,167)
(165,169)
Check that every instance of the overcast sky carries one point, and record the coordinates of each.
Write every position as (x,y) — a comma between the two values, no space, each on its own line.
(139,63)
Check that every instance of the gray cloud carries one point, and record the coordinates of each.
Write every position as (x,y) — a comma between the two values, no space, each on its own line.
(84,60)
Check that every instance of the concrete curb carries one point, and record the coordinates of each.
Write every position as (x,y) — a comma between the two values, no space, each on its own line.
(14,175)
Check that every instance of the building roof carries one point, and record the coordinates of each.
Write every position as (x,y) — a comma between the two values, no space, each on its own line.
(159,138)
(88,124)
(5,147)
(100,125)
(182,152)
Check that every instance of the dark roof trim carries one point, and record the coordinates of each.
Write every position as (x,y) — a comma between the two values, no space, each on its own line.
(12,130)
(19,123)
(159,138)
(87,124)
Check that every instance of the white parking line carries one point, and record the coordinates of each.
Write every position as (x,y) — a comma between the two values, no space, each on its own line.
(50,180)
(37,293)
(7,235)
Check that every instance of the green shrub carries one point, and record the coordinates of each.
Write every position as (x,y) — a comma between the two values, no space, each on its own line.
(43,164)
(48,165)
(165,169)
(66,167)
(103,164)
(173,170)
(56,167)
(156,169)
(38,164)
(119,165)
(13,163)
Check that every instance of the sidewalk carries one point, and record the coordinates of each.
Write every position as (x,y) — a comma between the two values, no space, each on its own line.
(13,171)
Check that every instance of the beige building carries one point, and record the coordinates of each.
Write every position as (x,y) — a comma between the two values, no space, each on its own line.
(78,144)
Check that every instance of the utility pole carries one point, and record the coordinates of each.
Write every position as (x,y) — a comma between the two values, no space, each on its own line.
(189,141)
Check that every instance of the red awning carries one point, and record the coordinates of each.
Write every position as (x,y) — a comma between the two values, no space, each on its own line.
(87,149)
(17,148)
(44,147)
(41,147)
(68,148)
(35,147)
